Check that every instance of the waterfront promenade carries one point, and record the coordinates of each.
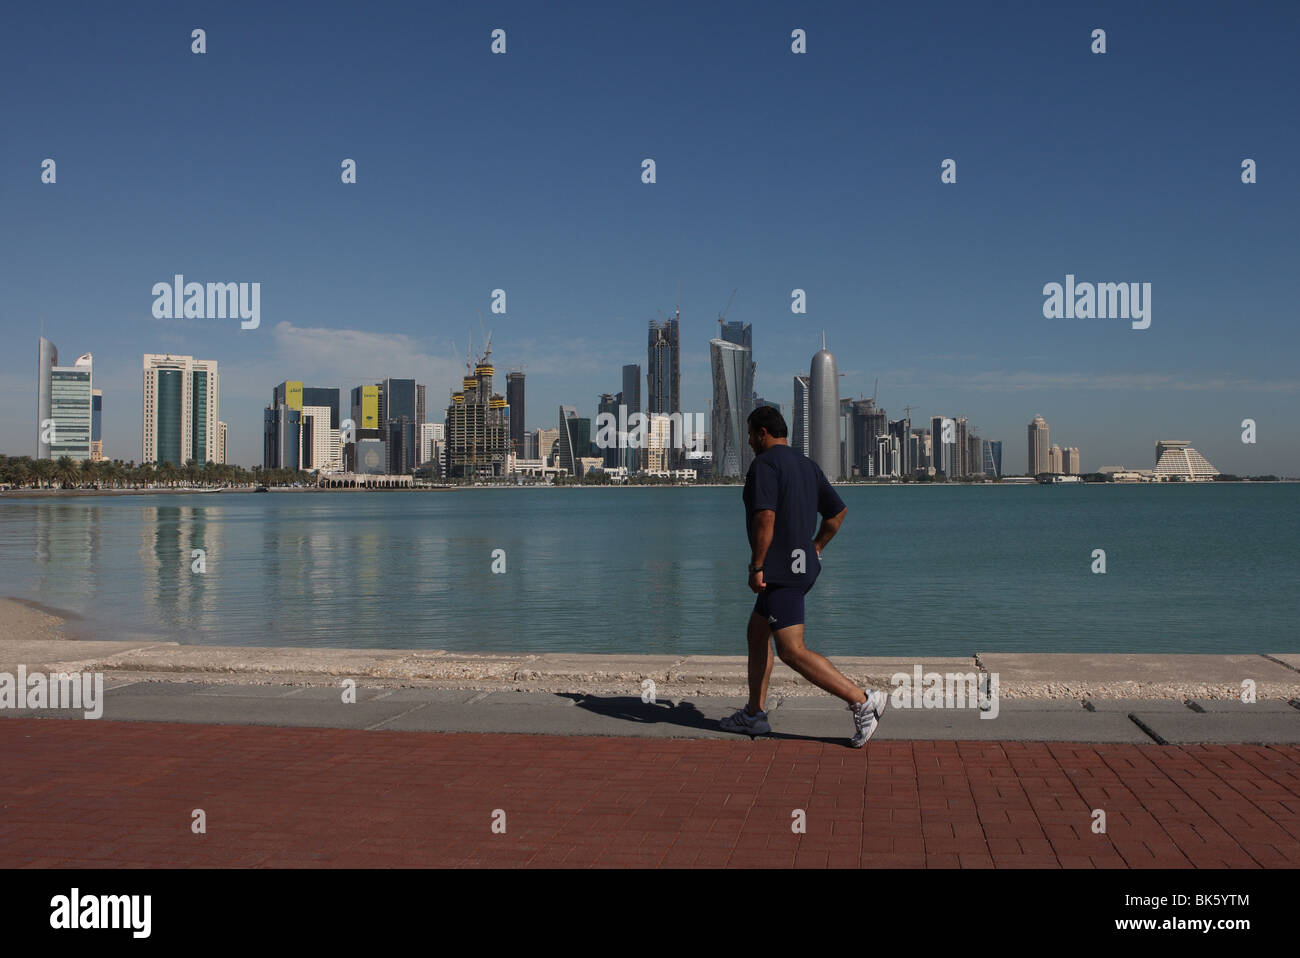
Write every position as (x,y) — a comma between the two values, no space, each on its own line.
(582,770)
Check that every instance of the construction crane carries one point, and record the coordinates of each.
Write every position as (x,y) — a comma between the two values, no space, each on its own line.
(722,316)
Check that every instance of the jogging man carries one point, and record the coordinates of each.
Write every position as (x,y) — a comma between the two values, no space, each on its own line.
(784,493)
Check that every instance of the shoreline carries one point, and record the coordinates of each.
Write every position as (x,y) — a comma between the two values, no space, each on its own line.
(84,493)
(50,640)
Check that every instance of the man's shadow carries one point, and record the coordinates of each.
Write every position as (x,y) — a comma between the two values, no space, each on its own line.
(630,708)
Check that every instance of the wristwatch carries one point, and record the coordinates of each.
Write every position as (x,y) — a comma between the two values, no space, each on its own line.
(752,570)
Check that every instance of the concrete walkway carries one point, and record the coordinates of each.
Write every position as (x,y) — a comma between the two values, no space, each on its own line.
(817,717)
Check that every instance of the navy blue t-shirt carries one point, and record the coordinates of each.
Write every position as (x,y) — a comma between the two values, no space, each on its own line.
(796,489)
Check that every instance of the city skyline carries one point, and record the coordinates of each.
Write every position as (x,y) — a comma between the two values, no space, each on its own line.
(301,425)
(940,295)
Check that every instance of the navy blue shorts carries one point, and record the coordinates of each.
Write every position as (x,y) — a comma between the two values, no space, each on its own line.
(782,605)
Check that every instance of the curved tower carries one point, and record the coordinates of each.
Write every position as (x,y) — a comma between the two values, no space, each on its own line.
(824,412)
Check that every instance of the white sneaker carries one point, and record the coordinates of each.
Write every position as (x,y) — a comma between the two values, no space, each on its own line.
(866,717)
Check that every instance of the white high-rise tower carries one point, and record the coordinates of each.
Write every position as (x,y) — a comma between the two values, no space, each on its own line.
(824,412)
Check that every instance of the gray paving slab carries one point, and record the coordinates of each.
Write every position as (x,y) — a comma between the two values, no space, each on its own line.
(228,707)
(1125,706)
(1292,659)
(1041,705)
(1236,706)
(407,696)
(822,717)
(588,716)
(524,699)
(1269,728)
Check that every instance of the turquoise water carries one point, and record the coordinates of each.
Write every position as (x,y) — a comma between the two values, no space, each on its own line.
(942,570)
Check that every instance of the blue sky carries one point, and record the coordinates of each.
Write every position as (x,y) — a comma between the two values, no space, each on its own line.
(775,171)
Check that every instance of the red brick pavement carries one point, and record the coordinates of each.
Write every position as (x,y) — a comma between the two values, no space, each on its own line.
(96,794)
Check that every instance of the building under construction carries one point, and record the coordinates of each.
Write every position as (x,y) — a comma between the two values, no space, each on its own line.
(478,425)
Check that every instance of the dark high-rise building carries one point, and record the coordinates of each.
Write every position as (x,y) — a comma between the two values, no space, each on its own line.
(961,449)
(97,425)
(869,423)
(281,437)
(575,440)
(664,375)
(403,446)
(398,400)
(943,445)
(632,399)
(799,415)
(421,410)
(742,334)
(608,404)
(515,400)
(974,456)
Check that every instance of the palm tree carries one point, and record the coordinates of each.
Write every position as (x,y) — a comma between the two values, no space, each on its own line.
(65,470)
(43,469)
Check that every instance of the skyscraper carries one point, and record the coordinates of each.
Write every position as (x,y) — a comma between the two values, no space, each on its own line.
(515,400)
(1070,460)
(943,445)
(64,405)
(799,415)
(96,425)
(849,442)
(961,450)
(607,405)
(364,410)
(868,422)
(1055,461)
(300,427)
(547,440)
(992,457)
(901,431)
(1038,447)
(181,409)
(823,412)
(663,374)
(974,456)
(733,400)
(478,424)
(574,439)
(632,399)
(399,400)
